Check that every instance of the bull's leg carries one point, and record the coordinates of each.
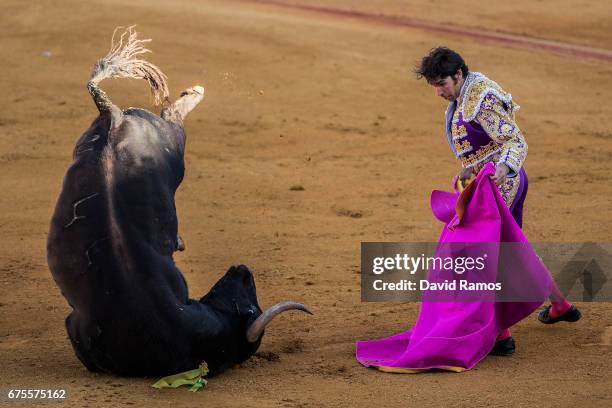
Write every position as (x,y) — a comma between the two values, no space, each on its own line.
(188,100)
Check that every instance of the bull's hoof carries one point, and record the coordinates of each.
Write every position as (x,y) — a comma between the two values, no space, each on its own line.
(189,99)
(194,90)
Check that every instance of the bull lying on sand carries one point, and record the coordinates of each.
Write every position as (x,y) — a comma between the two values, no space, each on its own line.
(113,234)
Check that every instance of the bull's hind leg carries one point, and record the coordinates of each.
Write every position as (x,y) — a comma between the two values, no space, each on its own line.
(189,99)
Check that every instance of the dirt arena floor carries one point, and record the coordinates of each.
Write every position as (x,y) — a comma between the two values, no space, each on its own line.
(313,136)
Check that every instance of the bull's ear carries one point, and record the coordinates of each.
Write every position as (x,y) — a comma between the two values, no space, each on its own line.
(189,99)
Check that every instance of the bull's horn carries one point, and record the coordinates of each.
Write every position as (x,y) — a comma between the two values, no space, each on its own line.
(258,326)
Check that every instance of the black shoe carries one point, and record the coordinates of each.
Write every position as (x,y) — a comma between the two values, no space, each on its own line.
(505,347)
(572,315)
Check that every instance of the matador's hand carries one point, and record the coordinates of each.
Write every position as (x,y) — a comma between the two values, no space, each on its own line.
(501,172)
(465,174)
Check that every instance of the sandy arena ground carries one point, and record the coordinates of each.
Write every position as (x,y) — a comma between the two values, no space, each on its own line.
(314,136)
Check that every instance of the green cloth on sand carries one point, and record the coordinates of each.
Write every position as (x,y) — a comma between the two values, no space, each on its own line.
(195,378)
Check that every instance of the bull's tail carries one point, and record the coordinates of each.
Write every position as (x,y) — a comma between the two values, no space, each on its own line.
(122,62)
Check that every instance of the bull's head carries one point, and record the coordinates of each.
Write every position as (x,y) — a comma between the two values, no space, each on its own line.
(234,297)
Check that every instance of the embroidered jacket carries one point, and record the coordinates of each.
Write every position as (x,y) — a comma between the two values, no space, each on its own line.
(480,126)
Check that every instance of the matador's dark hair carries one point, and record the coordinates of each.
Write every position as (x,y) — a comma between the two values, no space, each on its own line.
(440,63)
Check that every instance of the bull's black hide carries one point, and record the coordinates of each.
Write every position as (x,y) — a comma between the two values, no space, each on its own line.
(113,234)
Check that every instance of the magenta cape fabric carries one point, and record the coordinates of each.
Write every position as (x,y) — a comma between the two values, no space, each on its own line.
(457,335)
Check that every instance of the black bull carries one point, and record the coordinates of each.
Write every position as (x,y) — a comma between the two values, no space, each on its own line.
(110,250)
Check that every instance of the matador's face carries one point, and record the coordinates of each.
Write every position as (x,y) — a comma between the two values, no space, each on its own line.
(448,87)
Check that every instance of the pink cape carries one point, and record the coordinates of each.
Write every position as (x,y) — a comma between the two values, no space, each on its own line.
(455,336)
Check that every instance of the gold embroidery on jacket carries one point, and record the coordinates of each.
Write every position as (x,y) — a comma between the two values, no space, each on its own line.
(480,155)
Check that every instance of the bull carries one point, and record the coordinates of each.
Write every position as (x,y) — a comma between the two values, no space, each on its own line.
(113,234)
